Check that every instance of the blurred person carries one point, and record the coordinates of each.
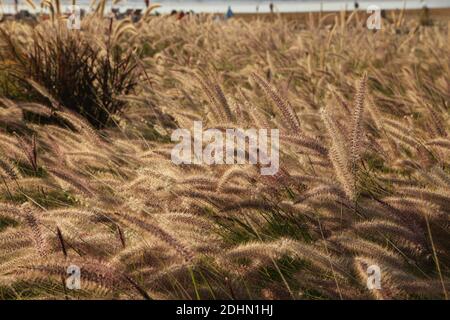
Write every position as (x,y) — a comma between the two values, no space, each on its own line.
(229,13)
(271,7)
(181,15)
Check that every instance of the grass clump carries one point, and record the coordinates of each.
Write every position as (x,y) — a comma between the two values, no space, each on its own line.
(83,72)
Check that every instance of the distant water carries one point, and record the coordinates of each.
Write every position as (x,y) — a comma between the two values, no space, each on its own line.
(251,6)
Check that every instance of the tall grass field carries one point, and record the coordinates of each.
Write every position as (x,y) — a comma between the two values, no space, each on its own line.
(87,180)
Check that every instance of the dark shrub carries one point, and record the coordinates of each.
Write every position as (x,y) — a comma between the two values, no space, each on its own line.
(84,74)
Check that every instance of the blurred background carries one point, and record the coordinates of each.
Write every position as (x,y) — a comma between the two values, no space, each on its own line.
(245,6)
